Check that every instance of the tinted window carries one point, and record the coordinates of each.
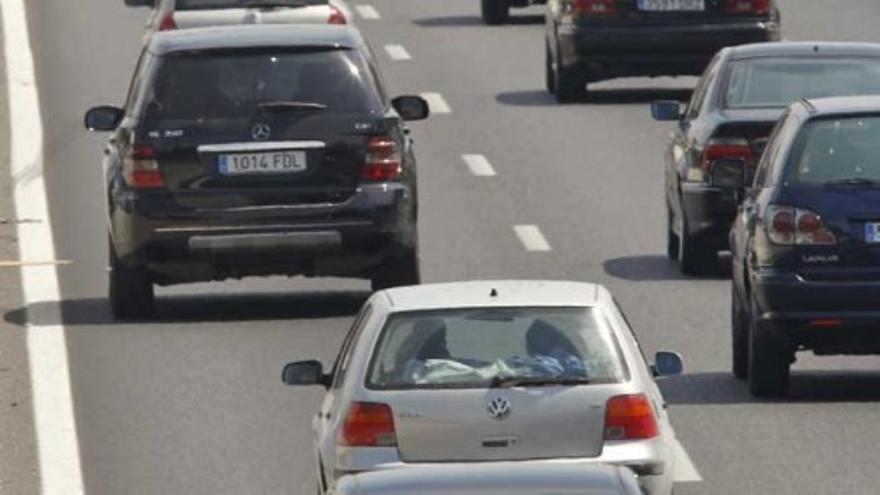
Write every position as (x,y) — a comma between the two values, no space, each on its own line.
(702,90)
(763,174)
(837,150)
(468,347)
(220,85)
(226,4)
(778,82)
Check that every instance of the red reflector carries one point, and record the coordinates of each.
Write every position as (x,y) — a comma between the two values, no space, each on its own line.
(826,323)
(383,161)
(336,16)
(167,22)
(758,7)
(594,7)
(368,424)
(630,417)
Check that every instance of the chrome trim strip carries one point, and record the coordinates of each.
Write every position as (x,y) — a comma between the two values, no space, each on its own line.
(261,146)
(260,228)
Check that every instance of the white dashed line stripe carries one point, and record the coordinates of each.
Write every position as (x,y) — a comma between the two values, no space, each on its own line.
(397,53)
(54,424)
(532,238)
(437,103)
(479,165)
(684,470)
(368,12)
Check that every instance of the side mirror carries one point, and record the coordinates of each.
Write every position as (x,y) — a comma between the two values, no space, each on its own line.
(666,110)
(104,118)
(411,107)
(140,3)
(302,373)
(728,173)
(667,363)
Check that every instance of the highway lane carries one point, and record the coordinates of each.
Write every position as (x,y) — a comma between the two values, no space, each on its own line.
(192,403)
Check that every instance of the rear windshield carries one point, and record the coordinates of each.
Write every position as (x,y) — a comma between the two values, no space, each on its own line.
(778,82)
(229,4)
(837,151)
(223,85)
(468,348)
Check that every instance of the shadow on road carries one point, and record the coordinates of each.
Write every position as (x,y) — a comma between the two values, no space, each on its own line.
(469,20)
(720,388)
(182,309)
(541,98)
(655,268)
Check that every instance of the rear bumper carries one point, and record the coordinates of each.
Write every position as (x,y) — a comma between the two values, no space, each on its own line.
(651,460)
(188,245)
(826,317)
(710,212)
(642,49)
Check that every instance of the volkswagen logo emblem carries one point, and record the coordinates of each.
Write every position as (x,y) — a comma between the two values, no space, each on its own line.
(499,408)
(261,132)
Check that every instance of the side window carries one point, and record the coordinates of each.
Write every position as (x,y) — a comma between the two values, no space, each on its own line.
(764,174)
(702,90)
(632,334)
(344,358)
(136,81)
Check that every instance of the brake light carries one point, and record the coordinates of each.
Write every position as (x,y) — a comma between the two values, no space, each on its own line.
(719,148)
(757,7)
(383,161)
(140,168)
(336,16)
(594,7)
(368,424)
(788,226)
(167,23)
(630,417)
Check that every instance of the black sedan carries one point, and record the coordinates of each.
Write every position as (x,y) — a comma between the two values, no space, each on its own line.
(594,40)
(732,111)
(806,243)
(257,151)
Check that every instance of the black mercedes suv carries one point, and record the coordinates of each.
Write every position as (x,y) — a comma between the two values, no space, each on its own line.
(257,151)
(806,242)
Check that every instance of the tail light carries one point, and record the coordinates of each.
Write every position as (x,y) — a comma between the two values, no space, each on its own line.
(595,8)
(757,7)
(336,16)
(140,168)
(630,417)
(788,226)
(368,424)
(383,161)
(167,23)
(718,148)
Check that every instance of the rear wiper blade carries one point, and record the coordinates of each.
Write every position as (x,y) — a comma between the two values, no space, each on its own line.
(291,106)
(853,181)
(501,381)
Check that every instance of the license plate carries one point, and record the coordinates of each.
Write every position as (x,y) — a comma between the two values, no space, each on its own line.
(672,5)
(872,233)
(276,162)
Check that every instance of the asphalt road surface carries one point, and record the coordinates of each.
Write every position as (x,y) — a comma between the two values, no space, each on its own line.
(192,403)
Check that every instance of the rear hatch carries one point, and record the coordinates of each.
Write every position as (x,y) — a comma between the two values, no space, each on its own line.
(262,128)
(206,13)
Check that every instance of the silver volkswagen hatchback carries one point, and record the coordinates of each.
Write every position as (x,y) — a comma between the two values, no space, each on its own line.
(491,371)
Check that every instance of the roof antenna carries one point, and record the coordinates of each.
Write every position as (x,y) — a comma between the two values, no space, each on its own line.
(494,293)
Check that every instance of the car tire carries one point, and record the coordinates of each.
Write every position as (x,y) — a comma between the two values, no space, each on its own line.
(693,258)
(549,71)
(495,12)
(398,271)
(769,362)
(131,291)
(570,85)
(739,335)
(672,241)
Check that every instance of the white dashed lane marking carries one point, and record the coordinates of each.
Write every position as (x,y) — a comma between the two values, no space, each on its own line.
(368,12)
(397,53)
(436,103)
(531,238)
(684,471)
(479,165)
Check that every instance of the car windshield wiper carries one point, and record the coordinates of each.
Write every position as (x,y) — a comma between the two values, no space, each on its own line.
(291,106)
(853,181)
(502,381)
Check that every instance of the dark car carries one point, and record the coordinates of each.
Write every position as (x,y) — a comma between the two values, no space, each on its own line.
(806,243)
(257,151)
(498,11)
(732,111)
(594,40)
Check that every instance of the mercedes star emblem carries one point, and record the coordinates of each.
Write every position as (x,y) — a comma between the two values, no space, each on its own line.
(261,132)
(499,408)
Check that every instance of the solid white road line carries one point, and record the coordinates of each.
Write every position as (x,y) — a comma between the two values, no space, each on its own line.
(479,165)
(368,12)
(397,53)
(436,103)
(531,237)
(684,471)
(57,445)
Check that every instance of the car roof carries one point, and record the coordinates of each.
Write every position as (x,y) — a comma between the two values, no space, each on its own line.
(514,477)
(497,293)
(804,48)
(840,105)
(255,36)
